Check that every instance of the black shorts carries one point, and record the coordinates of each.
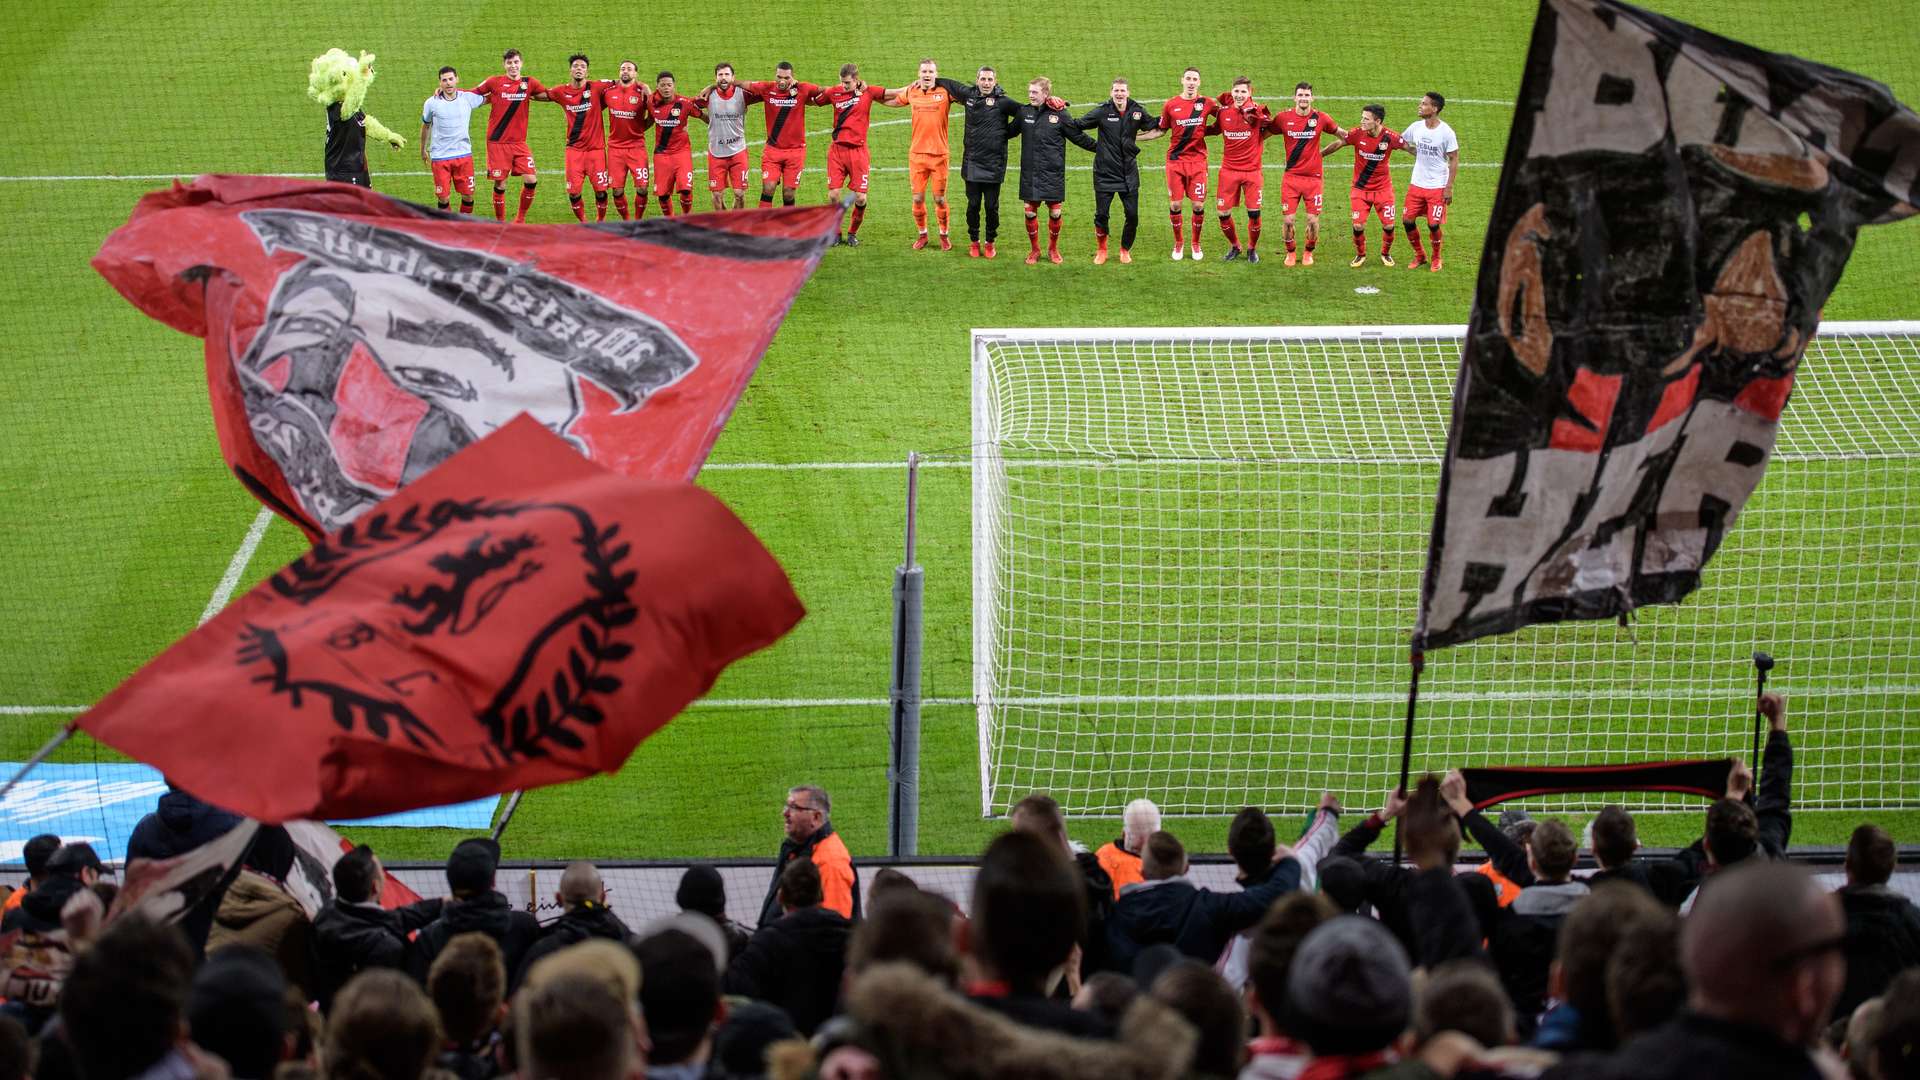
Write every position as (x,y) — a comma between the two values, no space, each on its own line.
(359,179)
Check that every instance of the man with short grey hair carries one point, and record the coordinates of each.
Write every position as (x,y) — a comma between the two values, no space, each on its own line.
(810,835)
(1120,857)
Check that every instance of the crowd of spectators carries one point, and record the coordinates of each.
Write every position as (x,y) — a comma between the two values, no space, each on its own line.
(1324,963)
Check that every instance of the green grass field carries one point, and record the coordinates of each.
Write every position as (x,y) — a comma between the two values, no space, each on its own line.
(118,520)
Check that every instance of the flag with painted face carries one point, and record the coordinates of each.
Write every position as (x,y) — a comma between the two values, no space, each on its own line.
(355,341)
(1674,210)
(517,617)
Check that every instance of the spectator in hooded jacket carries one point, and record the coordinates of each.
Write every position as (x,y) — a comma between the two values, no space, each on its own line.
(1167,908)
(810,836)
(475,907)
(584,914)
(1883,927)
(259,910)
(179,824)
(703,891)
(40,957)
(1120,857)
(797,960)
(353,932)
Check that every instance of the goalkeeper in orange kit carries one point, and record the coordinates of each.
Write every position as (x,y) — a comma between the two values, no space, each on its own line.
(927,158)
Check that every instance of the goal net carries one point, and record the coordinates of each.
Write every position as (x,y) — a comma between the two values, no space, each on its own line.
(1197,555)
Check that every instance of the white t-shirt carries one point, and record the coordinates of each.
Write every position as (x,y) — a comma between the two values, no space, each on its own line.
(1430,146)
(449,123)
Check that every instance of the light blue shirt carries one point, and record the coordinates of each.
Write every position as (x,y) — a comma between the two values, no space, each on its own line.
(449,122)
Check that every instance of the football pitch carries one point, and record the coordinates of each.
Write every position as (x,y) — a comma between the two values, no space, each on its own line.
(120,526)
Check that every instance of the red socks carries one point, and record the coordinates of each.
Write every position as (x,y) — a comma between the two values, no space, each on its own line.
(666,205)
(620,203)
(686,202)
(1359,241)
(1386,241)
(1033,231)
(1199,221)
(1175,215)
(1053,227)
(1253,231)
(1413,237)
(579,208)
(1435,233)
(499,206)
(1226,226)
(526,200)
(853,223)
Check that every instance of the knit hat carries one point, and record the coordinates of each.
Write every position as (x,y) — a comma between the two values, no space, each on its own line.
(471,867)
(1348,989)
(702,890)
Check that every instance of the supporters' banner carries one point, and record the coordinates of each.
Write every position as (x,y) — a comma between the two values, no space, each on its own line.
(354,341)
(1673,211)
(517,617)
(1497,784)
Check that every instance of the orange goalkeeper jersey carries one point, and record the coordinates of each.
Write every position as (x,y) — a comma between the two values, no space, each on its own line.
(929,108)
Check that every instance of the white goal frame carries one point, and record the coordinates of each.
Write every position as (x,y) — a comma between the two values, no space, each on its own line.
(988,465)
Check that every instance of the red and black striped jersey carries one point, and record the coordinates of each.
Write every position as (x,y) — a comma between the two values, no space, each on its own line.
(1370,158)
(786,111)
(852,111)
(507,101)
(586,128)
(670,119)
(627,114)
(1302,135)
(1243,134)
(1187,124)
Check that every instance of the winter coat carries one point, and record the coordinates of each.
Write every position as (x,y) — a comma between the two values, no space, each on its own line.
(1669,880)
(1385,888)
(1044,134)
(351,938)
(1523,935)
(575,926)
(839,878)
(1693,1046)
(178,825)
(795,962)
(1199,922)
(1114,167)
(1883,939)
(917,1027)
(990,118)
(489,914)
(1773,810)
(1093,940)
(260,912)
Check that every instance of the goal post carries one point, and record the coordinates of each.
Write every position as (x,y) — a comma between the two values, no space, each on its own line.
(1197,554)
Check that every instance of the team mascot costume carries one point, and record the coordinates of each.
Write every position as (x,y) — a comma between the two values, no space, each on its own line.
(340,82)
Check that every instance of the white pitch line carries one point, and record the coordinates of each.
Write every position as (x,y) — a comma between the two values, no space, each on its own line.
(1383,697)
(237,565)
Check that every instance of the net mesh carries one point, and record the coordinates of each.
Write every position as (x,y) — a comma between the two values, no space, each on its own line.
(1197,558)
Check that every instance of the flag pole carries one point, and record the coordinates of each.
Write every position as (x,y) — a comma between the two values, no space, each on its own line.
(1417,661)
(39,756)
(513,803)
(1762,663)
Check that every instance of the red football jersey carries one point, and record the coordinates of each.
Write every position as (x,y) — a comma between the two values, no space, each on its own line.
(786,112)
(852,111)
(1303,139)
(1370,158)
(670,119)
(586,130)
(1243,134)
(627,115)
(1186,123)
(507,117)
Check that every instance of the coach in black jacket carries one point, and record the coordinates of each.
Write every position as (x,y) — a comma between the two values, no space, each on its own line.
(1045,131)
(991,118)
(1123,124)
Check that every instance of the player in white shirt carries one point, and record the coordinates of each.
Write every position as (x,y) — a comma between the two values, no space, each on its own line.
(1436,163)
(444,143)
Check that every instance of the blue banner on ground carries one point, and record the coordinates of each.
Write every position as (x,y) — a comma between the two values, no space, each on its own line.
(100,804)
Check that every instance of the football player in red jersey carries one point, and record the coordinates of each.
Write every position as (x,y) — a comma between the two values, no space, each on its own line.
(847,159)
(628,118)
(1188,119)
(1302,126)
(1372,182)
(507,153)
(785,100)
(579,97)
(672,152)
(1243,133)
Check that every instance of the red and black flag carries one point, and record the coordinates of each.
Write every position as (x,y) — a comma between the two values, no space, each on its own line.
(518,617)
(354,341)
(1673,211)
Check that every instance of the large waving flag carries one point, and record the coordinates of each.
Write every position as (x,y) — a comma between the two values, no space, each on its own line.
(354,341)
(1673,211)
(517,617)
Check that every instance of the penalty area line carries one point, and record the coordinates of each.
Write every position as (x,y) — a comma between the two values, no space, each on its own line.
(237,565)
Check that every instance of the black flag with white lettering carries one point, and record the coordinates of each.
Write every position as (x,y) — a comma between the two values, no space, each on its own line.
(1673,212)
